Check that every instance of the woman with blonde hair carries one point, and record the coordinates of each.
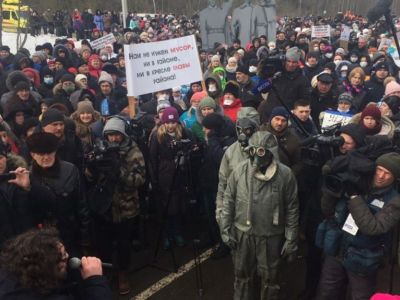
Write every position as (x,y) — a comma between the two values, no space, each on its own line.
(354,85)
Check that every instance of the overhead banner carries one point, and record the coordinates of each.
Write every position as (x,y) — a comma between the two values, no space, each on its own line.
(152,67)
(100,43)
(321,31)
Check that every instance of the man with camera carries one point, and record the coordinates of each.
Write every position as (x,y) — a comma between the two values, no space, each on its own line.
(357,235)
(115,177)
(259,219)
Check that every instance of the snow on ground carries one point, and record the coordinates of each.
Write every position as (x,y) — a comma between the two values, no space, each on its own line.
(10,39)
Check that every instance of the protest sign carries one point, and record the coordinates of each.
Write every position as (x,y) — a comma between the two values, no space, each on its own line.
(320,31)
(345,33)
(333,118)
(156,66)
(100,43)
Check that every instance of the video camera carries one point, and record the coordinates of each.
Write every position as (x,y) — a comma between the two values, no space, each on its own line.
(269,68)
(103,155)
(182,146)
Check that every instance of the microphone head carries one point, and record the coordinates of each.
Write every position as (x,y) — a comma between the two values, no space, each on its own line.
(74,263)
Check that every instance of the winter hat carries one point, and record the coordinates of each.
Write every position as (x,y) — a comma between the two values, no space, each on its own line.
(42,142)
(170,115)
(391,88)
(393,102)
(355,131)
(29,123)
(85,107)
(391,162)
(293,53)
(243,69)
(249,113)
(67,77)
(340,51)
(79,77)
(325,77)
(207,102)
(110,68)
(371,111)
(162,104)
(50,116)
(115,124)
(215,58)
(104,76)
(198,96)
(381,66)
(345,97)
(213,121)
(233,88)
(22,85)
(279,111)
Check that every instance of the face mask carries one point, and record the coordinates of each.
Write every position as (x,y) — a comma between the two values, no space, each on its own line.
(177,98)
(252,69)
(271,48)
(162,97)
(343,74)
(316,49)
(228,101)
(48,80)
(212,88)
(337,62)
(69,89)
(353,59)
(363,64)
(328,55)
(343,111)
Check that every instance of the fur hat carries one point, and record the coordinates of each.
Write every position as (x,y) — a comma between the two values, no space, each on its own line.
(42,142)
(232,88)
(22,85)
(213,121)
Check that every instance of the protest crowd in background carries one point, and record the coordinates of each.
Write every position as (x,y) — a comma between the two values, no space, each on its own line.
(81,165)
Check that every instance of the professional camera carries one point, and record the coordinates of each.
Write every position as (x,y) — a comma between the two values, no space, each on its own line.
(184,145)
(268,69)
(103,155)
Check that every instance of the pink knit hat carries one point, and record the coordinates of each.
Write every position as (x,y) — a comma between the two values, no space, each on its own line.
(198,95)
(391,88)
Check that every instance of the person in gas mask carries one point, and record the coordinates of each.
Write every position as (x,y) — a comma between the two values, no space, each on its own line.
(259,220)
(248,122)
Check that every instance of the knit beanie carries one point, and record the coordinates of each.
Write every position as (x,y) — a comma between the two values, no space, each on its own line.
(293,53)
(162,104)
(85,107)
(50,116)
(215,58)
(345,97)
(371,111)
(198,95)
(391,88)
(243,69)
(67,77)
(213,121)
(207,102)
(279,111)
(79,77)
(391,162)
(393,102)
(170,115)
(115,125)
(104,76)
(355,131)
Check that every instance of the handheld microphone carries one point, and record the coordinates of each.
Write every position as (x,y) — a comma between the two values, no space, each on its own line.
(75,263)
(380,9)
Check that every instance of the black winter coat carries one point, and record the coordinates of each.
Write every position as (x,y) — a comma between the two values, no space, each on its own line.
(375,90)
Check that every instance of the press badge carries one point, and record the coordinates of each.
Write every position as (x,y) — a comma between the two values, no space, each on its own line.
(350,225)
(378,203)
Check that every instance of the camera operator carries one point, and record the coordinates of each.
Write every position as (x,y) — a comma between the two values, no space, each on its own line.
(247,124)
(288,143)
(353,136)
(115,177)
(259,220)
(356,237)
(168,151)
(34,266)
(64,204)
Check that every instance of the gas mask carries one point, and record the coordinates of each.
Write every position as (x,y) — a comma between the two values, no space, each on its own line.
(261,156)
(260,149)
(245,128)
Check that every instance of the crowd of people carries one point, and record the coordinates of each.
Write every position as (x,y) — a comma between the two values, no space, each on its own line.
(249,144)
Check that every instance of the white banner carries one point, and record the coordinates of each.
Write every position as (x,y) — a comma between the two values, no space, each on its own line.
(100,43)
(152,67)
(333,118)
(320,31)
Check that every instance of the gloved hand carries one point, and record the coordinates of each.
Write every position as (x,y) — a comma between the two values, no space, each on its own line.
(289,251)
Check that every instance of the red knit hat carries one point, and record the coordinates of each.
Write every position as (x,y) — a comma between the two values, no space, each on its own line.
(371,111)
(170,114)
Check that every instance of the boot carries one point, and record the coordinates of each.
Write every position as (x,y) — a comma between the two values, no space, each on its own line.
(123,283)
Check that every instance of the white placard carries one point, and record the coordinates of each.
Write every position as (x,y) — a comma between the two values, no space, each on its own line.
(333,118)
(350,225)
(100,43)
(152,67)
(345,33)
(320,31)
